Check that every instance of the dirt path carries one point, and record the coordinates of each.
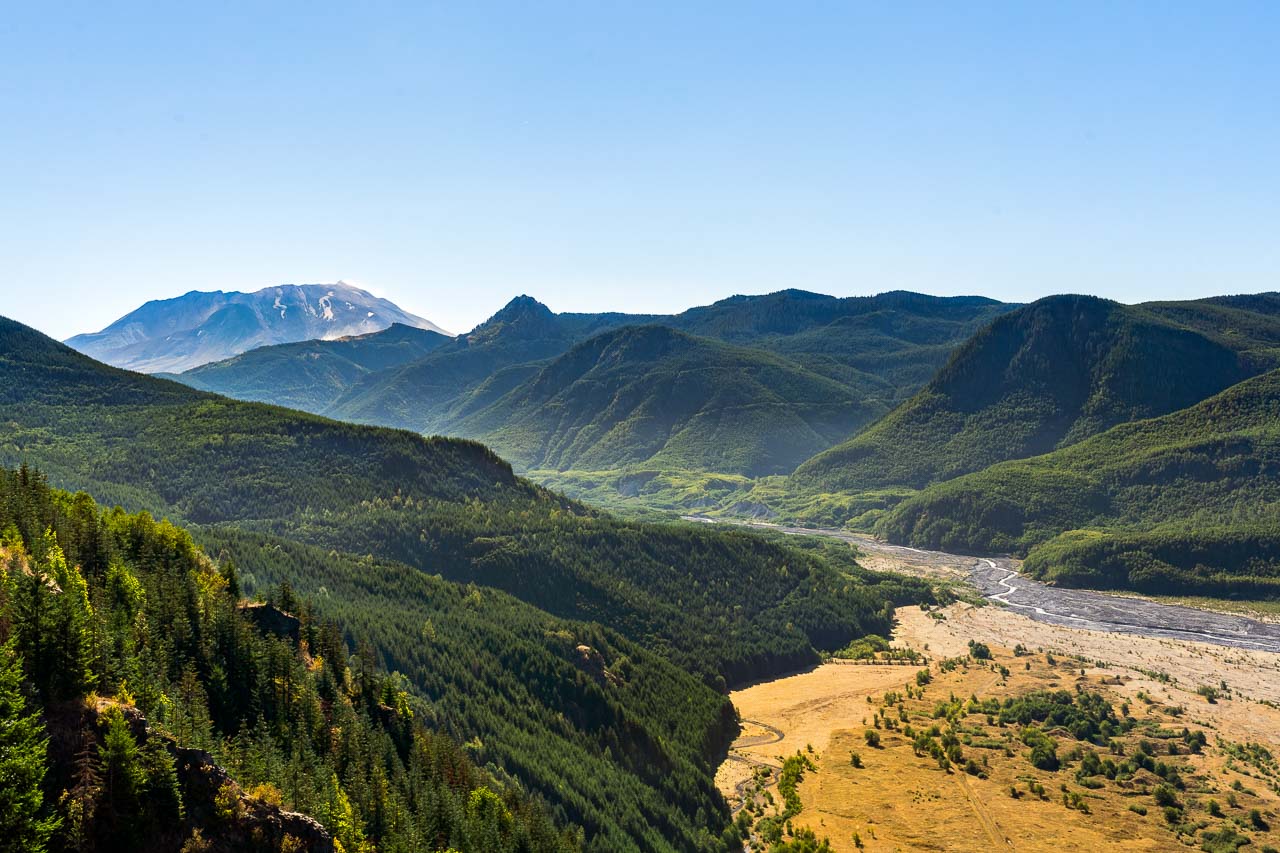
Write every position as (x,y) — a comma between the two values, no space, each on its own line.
(985,819)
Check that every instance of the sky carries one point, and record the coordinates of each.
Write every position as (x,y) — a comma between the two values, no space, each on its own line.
(642,156)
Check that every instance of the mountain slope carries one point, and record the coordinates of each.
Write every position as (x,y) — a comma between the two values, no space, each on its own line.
(310,375)
(448,505)
(1210,466)
(649,395)
(1047,375)
(877,345)
(888,344)
(161,643)
(723,606)
(172,335)
(420,395)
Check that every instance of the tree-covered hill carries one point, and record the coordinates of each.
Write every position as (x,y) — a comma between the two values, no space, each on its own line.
(888,344)
(1046,376)
(825,366)
(310,375)
(723,606)
(504,349)
(652,396)
(442,505)
(1161,487)
(145,706)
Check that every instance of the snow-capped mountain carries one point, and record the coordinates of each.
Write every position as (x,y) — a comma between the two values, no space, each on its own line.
(172,335)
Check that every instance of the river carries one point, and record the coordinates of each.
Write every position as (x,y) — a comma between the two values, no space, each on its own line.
(998,580)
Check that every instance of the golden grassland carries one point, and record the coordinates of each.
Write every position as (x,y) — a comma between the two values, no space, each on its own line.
(901,800)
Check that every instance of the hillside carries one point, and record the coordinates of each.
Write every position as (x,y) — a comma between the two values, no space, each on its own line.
(878,345)
(448,505)
(814,367)
(1161,490)
(173,335)
(890,344)
(482,364)
(310,375)
(179,715)
(724,606)
(1044,376)
(652,396)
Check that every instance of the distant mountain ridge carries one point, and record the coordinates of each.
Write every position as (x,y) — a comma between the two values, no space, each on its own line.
(310,375)
(479,366)
(650,395)
(173,335)
(1045,376)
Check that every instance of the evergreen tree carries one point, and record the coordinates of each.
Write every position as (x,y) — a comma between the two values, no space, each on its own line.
(122,780)
(24,826)
(73,637)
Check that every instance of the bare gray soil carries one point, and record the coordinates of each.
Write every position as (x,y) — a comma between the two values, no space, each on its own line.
(998,580)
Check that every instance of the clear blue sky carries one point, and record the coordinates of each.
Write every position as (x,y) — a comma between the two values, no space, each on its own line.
(634,156)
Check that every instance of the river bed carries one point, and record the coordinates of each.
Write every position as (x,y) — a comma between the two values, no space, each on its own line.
(998,580)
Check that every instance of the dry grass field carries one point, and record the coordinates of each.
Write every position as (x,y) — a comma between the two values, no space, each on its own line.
(902,798)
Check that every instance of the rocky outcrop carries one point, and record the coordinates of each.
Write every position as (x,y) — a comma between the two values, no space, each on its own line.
(272,620)
(254,825)
(225,816)
(591,662)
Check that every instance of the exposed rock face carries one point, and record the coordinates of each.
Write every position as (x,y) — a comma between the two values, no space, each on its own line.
(591,662)
(272,620)
(258,826)
(254,825)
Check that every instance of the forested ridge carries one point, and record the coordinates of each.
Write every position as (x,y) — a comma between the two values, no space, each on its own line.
(655,397)
(1186,502)
(129,663)
(612,406)
(627,758)
(310,375)
(1046,376)
(724,603)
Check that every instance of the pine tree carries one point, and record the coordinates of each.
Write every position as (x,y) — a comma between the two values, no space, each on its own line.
(80,803)
(24,826)
(229,574)
(74,634)
(122,779)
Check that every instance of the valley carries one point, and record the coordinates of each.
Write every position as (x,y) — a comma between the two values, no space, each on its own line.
(1174,664)
(640,428)
(998,579)
(896,797)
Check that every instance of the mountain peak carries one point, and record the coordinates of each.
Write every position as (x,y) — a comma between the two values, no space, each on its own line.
(524,315)
(522,306)
(177,334)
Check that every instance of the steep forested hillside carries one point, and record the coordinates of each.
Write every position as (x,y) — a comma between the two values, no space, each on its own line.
(804,370)
(129,665)
(889,344)
(723,605)
(1046,376)
(1175,482)
(310,375)
(652,396)
(483,364)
